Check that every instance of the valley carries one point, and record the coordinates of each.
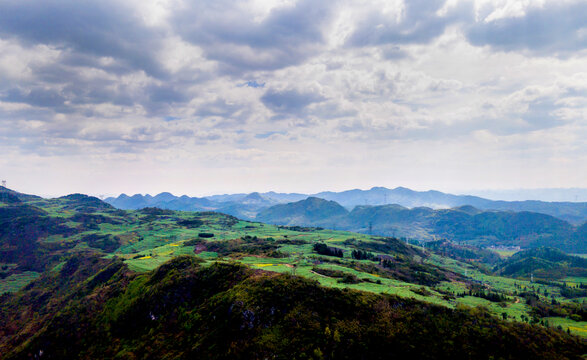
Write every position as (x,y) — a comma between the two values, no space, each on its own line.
(39,237)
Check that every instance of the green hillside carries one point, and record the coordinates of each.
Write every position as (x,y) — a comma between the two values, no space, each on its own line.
(546,263)
(462,224)
(311,211)
(228,311)
(39,238)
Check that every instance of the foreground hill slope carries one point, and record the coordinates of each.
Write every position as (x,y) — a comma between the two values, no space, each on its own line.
(96,309)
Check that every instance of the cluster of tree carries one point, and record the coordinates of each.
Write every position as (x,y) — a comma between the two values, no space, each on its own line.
(247,244)
(408,270)
(386,246)
(487,295)
(324,249)
(344,277)
(191,223)
(566,290)
(104,242)
(573,292)
(300,228)
(541,307)
(466,253)
(155,211)
(95,308)
(362,255)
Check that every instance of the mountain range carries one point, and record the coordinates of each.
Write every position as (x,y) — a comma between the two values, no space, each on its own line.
(399,212)
(248,206)
(461,224)
(80,279)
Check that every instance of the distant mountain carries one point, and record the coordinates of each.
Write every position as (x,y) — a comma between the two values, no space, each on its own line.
(402,196)
(559,195)
(312,211)
(186,203)
(249,205)
(163,200)
(462,224)
(245,206)
(126,202)
(284,197)
(572,212)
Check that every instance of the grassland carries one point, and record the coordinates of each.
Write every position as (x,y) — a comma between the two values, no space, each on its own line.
(14,282)
(147,238)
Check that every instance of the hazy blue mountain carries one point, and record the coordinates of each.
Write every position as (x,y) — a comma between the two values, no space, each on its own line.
(163,200)
(284,197)
(164,197)
(126,202)
(402,196)
(251,204)
(311,211)
(186,203)
(575,213)
(271,195)
(572,212)
(558,195)
(225,197)
(245,206)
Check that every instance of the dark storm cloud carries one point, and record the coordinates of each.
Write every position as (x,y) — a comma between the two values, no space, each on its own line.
(96,28)
(287,36)
(289,102)
(555,28)
(420,24)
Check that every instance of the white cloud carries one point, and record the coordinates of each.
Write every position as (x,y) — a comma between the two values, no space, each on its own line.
(296,97)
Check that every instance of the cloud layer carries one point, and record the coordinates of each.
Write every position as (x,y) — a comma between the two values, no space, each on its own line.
(292,95)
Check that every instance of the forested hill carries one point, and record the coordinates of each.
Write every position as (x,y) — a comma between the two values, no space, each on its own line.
(545,263)
(94,308)
(311,211)
(463,224)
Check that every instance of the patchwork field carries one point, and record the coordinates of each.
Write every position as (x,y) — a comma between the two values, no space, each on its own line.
(148,238)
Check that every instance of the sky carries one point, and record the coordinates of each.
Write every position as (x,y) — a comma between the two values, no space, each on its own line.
(205,97)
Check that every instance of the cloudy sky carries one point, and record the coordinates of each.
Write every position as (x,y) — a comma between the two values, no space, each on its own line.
(203,97)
